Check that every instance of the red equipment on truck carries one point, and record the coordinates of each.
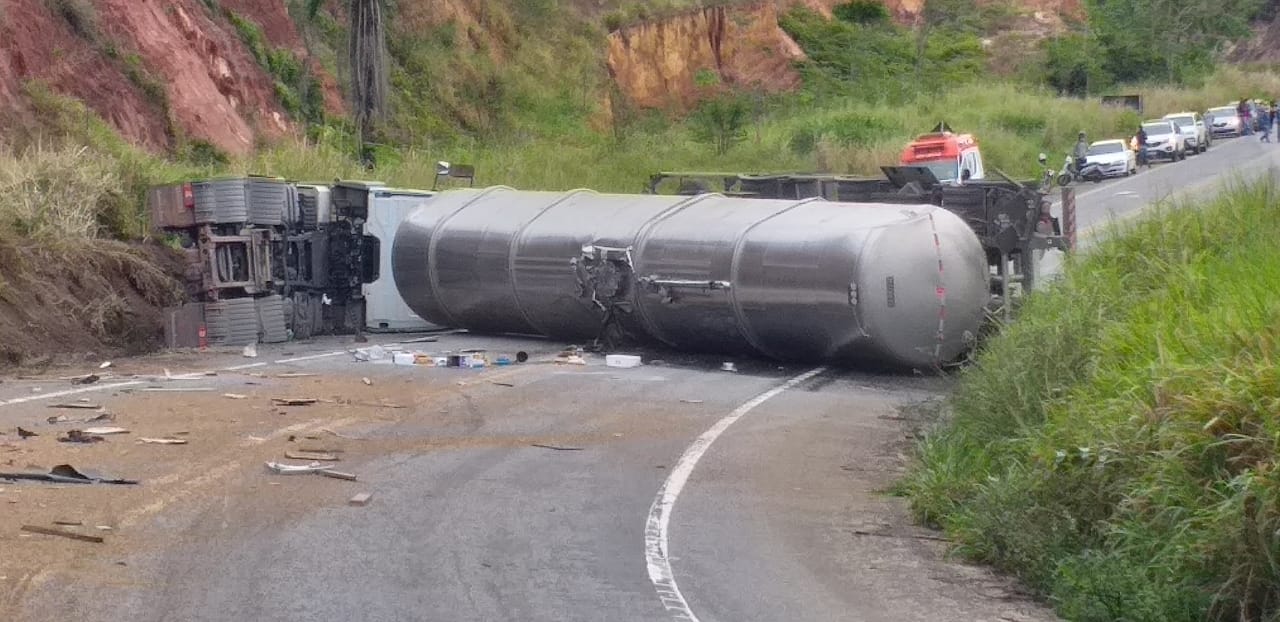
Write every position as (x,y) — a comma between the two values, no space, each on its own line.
(946,153)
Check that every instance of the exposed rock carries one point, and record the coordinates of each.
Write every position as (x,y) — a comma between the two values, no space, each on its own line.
(657,64)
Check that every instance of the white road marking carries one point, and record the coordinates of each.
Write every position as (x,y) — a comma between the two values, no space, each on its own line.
(189,376)
(659,520)
(298,359)
(88,389)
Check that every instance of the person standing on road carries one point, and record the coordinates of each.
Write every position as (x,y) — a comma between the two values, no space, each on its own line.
(1274,113)
(1141,139)
(1242,111)
(1081,152)
(1264,125)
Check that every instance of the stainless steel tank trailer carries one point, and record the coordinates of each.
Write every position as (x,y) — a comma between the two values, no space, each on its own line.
(797,280)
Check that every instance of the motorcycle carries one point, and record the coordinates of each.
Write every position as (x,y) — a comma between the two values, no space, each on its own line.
(1091,171)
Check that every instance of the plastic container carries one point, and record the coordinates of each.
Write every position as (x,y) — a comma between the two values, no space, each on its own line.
(402,358)
(621,360)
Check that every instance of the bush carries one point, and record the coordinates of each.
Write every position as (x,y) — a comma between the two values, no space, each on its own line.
(862,12)
(722,122)
(79,15)
(1116,447)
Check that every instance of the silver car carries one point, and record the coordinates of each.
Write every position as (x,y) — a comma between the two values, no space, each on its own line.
(1223,121)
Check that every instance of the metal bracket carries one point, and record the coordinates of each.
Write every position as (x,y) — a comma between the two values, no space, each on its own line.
(667,288)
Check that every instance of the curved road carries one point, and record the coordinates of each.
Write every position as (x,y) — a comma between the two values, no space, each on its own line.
(783,517)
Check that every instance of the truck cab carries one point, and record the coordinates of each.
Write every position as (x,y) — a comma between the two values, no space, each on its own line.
(946,153)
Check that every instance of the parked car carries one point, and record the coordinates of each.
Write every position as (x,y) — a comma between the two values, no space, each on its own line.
(1193,130)
(1114,157)
(1165,140)
(1223,121)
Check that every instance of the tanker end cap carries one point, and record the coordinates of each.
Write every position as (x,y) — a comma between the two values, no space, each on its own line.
(924,290)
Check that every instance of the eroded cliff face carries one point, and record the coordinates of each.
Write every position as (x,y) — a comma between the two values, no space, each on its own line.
(116,55)
(658,64)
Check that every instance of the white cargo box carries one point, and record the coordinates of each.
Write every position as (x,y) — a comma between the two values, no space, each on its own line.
(621,360)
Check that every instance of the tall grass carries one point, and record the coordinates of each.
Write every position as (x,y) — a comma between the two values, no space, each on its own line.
(1013,123)
(1117,446)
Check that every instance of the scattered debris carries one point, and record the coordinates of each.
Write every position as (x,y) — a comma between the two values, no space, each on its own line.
(361,499)
(90,379)
(175,389)
(350,477)
(371,353)
(319,450)
(66,419)
(295,374)
(62,533)
(294,469)
(657,362)
(310,455)
(367,382)
(69,523)
(423,340)
(67,474)
(572,359)
(26,433)
(315,467)
(293,401)
(727,366)
(77,405)
(341,435)
(78,436)
(104,365)
(501,384)
(557,447)
(691,401)
(162,441)
(522,356)
(106,430)
(621,360)
(103,528)
(251,351)
(235,396)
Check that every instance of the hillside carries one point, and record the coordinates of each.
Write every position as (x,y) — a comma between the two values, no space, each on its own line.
(237,73)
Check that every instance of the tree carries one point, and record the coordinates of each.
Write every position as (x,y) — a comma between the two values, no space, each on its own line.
(959,14)
(368,57)
(722,122)
(1073,64)
(1166,39)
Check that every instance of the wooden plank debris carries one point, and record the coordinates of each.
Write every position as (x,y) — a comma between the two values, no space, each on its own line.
(62,533)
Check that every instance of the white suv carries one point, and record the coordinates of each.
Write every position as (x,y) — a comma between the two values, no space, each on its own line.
(1165,140)
(1193,129)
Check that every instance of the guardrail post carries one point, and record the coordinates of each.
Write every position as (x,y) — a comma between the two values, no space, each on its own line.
(1069,216)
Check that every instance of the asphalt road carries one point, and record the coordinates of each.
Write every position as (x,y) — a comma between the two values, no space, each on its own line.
(1101,205)
(678,491)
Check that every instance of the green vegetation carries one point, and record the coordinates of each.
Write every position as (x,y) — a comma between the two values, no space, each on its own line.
(1116,448)
(296,87)
(1174,41)
(78,178)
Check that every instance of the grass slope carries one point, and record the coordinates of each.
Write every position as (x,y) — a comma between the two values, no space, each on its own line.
(1116,447)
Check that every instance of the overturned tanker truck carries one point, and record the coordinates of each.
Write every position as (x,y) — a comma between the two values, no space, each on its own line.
(795,279)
